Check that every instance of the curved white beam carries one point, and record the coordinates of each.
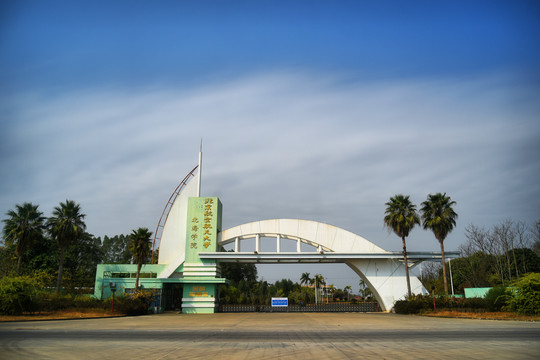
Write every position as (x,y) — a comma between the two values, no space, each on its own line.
(384,275)
(330,237)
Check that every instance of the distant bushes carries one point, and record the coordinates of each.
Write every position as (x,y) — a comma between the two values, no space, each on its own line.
(19,294)
(53,302)
(523,297)
(25,295)
(137,303)
(418,304)
(497,298)
(526,299)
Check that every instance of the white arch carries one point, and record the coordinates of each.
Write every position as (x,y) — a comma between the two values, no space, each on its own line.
(314,233)
(385,276)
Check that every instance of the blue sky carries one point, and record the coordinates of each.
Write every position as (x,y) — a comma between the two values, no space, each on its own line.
(313,110)
(74,44)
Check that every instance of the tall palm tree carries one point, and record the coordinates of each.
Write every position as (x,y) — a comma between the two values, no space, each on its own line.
(401,218)
(23,225)
(439,216)
(305,279)
(348,289)
(364,290)
(317,280)
(66,225)
(140,247)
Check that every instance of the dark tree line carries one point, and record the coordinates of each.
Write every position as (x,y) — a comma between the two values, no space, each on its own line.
(490,257)
(60,247)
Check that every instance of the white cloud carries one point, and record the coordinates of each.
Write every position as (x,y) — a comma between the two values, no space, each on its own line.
(280,145)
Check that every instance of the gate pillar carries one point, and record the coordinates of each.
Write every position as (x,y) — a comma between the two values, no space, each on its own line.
(201,276)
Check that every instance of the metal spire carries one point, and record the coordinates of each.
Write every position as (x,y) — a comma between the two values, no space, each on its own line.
(200,170)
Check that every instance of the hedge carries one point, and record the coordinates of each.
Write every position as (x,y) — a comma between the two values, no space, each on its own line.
(24,294)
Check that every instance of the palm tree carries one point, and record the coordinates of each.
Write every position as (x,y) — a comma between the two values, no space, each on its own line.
(364,290)
(329,292)
(439,217)
(401,218)
(318,280)
(305,279)
(66,226)
(24,225)
(140,247)
(348,289)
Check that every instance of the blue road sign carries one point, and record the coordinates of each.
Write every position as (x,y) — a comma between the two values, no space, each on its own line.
(281,301)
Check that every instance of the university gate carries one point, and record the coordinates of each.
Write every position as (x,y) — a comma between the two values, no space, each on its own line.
(190,233)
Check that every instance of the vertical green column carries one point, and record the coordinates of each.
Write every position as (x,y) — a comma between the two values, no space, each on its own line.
(204,223)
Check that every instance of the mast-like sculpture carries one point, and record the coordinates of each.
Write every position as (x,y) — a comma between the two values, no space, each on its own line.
(200,169)
(174,234)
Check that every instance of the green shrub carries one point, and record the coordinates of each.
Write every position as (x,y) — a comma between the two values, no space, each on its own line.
(137,303)
(23,294)
(478,304)
(87,302)
(51,301)
(497,298)
(526,299)
(413,305)
(418,304)
(55,302)
(18,294)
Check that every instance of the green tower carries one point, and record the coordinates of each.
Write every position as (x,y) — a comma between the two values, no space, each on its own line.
(201,276)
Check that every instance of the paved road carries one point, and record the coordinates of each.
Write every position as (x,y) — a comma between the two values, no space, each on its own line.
(271,336)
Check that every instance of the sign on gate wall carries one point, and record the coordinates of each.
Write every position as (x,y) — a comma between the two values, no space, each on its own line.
(280,301)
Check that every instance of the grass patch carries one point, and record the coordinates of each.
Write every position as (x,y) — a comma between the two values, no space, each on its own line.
(499,315)
(63,314)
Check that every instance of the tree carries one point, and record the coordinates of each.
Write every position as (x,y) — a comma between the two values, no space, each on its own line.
(22,227)
(502,236)
(66,226)
(481,241)
(81,261)
(482,263)
(523,238)
(116,249)
(503,260)
(348,289)
(236,272)
(535,231)
(317,281)
(401,218)
(365,291)
(305,279)
(140,247)
(43,257)
(526,299)
(439,217)
(284,287)
(6,260)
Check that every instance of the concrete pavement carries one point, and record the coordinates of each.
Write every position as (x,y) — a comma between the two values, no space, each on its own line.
(271,336)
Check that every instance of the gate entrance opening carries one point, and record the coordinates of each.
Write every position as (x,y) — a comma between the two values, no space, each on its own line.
(172,297)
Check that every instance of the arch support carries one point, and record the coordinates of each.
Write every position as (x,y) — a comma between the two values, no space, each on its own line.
(386,279)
